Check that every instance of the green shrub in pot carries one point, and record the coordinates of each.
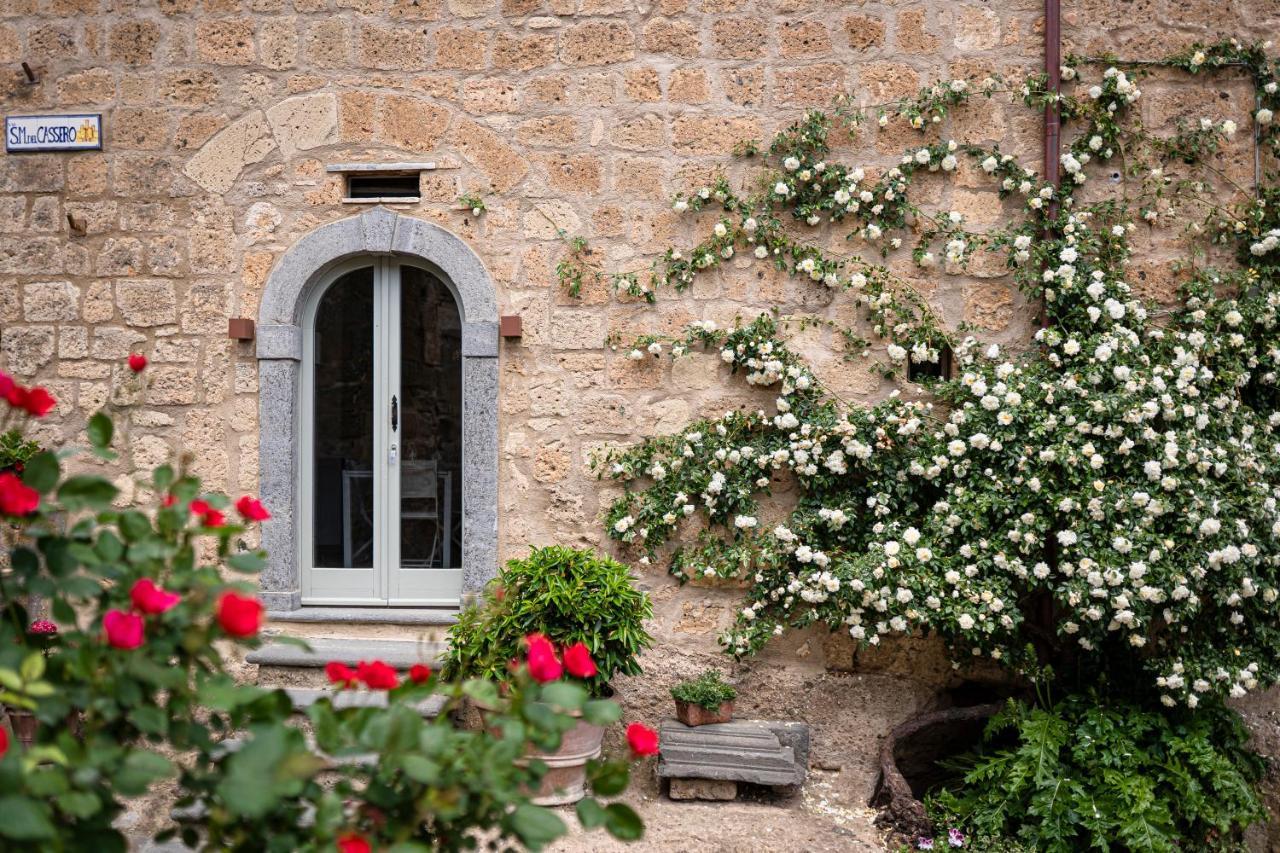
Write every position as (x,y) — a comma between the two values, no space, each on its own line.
(569,595)
(707,691)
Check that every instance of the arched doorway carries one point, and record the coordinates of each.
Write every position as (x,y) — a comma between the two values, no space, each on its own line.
(377,350)
(381,453)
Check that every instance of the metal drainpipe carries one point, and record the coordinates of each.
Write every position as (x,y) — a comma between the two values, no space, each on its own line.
(1052,112)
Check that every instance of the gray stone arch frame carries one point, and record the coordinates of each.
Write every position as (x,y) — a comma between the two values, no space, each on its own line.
(279,351)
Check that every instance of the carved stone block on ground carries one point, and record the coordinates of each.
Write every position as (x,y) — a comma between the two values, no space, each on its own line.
(704,762)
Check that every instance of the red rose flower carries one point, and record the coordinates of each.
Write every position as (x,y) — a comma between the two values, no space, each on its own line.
(209,516)
(168,500)
(419,673)
(137,362)
(352,843)
(16,497)
(124,630)
(252,509)
(42,626)
(149,598)
(239,615)
(377,675)
(39,402)
(12,392)
(577,659)
(339,673)
(4,741)
(543,664)
(642,740)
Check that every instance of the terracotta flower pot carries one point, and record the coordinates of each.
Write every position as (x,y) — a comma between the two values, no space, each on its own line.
(566,776)
(696,715)
(25,725)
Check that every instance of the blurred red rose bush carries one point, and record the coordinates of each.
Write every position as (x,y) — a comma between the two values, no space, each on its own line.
(129,687)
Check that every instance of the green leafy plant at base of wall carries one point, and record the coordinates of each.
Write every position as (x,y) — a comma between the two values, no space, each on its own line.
(569,595)
(1093,773)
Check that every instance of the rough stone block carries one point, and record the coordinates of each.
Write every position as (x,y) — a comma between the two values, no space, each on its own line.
(46,301)
(304,122)
(26,348)
(134,42)
(597,43)
(739,38)
(216,166)
(146,302)
(227,41)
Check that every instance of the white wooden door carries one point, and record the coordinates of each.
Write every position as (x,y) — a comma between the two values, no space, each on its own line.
(381,456)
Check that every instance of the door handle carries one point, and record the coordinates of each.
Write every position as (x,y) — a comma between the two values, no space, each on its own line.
(395,412)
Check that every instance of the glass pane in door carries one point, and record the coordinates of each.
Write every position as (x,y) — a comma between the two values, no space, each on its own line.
(342,425)
(430,429)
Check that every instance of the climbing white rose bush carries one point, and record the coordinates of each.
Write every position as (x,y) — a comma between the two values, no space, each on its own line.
(1105,501)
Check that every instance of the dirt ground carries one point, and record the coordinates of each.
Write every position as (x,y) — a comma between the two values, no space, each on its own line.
(813,821)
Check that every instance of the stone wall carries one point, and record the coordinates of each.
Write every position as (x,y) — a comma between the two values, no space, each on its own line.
(581,115)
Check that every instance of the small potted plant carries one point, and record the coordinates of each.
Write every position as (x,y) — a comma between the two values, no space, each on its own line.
(705,699)
(585,607)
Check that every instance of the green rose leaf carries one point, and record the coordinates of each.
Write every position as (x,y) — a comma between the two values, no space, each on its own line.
(32,667)
(79,804)
(41,472)
(602,712)
(608,778)
(249,562)
(100,430)
(590,813)
(86,492)
(622,822)
(139,770)
(24,819)
(151,719)
(564,695)
(536,826)
(420,769)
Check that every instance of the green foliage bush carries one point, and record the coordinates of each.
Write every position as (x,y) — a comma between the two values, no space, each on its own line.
(131,688)
(1093,773)
(569,595)
(706,691)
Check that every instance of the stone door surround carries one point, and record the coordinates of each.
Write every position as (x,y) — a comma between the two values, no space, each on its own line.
(279,351)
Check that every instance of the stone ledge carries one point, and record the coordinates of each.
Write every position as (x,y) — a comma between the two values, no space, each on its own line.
(400,654)
(381,167)
(365,615)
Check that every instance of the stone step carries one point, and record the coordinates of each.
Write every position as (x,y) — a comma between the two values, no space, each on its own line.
(740,751)
(366,615)
(400,654)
